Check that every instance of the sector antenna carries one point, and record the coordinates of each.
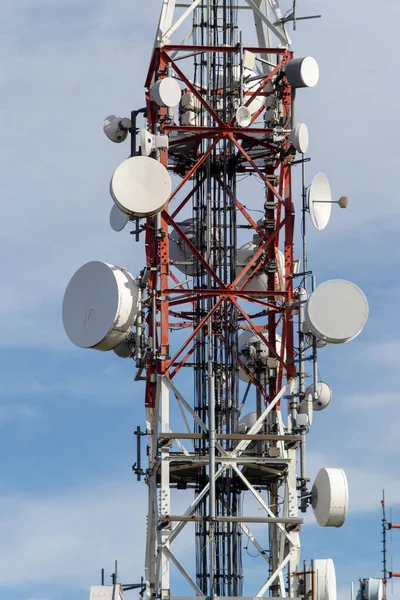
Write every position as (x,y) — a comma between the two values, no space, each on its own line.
(222,318)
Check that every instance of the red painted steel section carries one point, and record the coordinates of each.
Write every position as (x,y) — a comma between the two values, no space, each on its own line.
(163,285)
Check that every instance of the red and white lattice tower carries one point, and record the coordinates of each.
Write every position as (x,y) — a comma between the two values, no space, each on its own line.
(222,318)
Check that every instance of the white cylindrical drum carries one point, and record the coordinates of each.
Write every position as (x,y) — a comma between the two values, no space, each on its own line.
(336,311)
(324,580)
(324,394)
(330,497)
(299,138)
(100,306)
(140,186)
(374,589)
(302,72)
(166,92)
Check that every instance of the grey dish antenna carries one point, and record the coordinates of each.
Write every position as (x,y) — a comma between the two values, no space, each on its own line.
(320,201)
(116,128)
(118,219)
(100,306)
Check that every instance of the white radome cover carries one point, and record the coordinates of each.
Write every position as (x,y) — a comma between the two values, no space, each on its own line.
(166,92)
(324,395)
(319,201)
(140,186)
(299,138)
(302,72)
(325,579)
(330,497)
(374,589)
(336,311)
(113,131)
(118,219)
(100,306)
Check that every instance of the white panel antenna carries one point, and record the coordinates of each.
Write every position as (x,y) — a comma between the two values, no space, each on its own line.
(306,407)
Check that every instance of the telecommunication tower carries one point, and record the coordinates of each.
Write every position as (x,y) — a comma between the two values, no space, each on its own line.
(224,317)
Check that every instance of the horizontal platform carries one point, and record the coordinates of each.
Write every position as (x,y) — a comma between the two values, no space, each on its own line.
(241,519)
(234,597)
(233,436)
(259,470)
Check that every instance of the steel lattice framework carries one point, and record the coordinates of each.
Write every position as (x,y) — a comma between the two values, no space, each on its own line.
(216,305)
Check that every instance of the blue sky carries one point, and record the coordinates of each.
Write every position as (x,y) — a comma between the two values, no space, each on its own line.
(69,503)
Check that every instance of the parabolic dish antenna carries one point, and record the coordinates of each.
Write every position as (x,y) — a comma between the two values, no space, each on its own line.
(336,311)
(125,348)
(140,186)
(116,128)
(374,589)
(100,306)
(320,201)
(330,497)
(166,92)
(118,219)
(302,72)
(243,116)
(324,394)
(325,579)
(299,138)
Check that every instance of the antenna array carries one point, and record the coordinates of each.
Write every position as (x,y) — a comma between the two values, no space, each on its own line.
(223,318)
